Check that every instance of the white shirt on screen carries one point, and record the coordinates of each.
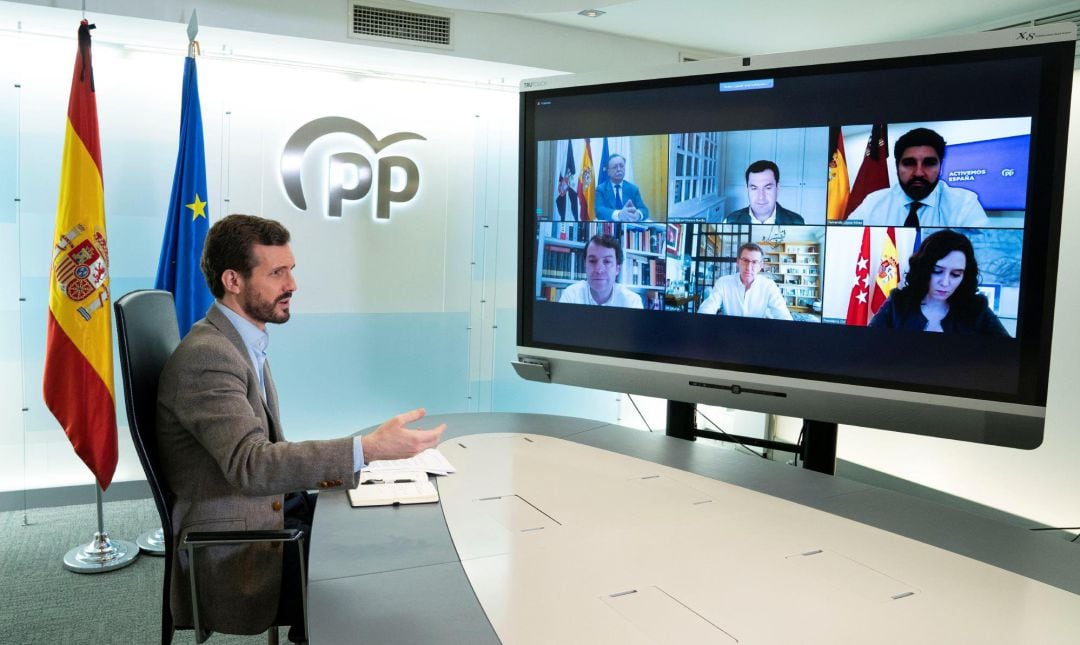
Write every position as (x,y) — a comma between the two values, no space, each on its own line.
(945,206)
(731,298)
(579,294)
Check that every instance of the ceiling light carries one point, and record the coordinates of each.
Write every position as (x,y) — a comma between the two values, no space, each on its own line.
(591,13)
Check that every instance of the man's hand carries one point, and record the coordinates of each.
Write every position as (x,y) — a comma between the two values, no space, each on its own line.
(629,212)
(393,440)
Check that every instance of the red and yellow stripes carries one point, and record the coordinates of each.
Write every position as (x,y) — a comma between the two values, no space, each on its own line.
(78,383)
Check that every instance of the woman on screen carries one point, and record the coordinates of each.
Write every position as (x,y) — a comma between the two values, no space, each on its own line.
(941,291)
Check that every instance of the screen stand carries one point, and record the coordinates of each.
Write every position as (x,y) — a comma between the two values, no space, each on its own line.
(817,447)
(680,420)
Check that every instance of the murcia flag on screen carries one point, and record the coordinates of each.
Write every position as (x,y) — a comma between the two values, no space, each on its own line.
(78,383)
(874,170)
(188,217)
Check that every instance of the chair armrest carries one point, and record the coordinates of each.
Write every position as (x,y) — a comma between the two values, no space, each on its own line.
(198,539)
(208,538)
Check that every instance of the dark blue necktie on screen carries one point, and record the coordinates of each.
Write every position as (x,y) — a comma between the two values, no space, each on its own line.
(618,196)
(913,214)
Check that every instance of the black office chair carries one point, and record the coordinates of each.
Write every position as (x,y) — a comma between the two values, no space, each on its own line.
(147,333)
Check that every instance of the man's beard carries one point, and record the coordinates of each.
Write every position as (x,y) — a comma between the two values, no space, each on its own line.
(919,188)
(264,311)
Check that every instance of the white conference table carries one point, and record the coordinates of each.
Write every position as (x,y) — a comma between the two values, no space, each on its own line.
(564,530)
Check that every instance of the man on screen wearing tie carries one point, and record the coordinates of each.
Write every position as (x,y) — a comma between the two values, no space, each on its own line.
(920,198)
(222,447)
(618,200)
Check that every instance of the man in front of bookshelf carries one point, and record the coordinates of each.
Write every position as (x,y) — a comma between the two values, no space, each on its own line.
(618,200)
(603,262)
(744,293)
(762,184)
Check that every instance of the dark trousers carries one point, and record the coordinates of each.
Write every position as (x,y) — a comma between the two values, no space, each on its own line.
(299,512)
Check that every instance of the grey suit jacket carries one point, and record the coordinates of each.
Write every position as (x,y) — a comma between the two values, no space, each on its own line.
(226,459)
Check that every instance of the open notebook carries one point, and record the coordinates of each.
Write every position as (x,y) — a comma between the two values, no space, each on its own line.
(393,487)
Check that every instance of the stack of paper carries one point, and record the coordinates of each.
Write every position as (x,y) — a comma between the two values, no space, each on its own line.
(400,481)
(430,461)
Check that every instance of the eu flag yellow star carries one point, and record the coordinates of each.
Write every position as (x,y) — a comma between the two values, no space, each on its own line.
(198,208)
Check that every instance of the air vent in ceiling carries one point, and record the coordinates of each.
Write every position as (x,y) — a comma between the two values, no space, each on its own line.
(370,21)
(1069,16)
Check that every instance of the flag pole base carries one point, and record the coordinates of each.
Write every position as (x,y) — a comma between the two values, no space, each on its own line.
(101,555)
(152,542)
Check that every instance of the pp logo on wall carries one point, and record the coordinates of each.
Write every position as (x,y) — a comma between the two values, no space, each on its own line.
(339,188)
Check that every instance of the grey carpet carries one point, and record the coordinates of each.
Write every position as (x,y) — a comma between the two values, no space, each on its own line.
(45,603)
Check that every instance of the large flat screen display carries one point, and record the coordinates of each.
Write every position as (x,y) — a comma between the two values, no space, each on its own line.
(864,236)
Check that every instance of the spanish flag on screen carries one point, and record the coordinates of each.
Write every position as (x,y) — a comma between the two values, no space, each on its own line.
(888,273)
(586,187)
(839,187)
(78,384)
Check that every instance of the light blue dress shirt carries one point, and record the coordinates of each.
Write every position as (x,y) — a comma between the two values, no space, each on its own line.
(257,341)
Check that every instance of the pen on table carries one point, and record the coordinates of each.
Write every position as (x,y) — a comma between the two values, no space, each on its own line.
(380,481)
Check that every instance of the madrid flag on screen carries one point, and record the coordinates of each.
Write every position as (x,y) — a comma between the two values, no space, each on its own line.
(859,300)
(188,218)
(78,384)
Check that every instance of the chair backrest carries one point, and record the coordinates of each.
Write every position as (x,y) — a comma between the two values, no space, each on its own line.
(148,334)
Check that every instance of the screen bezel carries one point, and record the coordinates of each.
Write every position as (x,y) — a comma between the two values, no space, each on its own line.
(1044,197)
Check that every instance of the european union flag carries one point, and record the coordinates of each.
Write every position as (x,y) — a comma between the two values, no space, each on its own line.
(602,174)
(188,218)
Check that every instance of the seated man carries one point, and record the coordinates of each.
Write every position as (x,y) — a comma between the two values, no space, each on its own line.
(618,200)
(223,450)
(603,262)
(743,294)
(762,184)
(920,198)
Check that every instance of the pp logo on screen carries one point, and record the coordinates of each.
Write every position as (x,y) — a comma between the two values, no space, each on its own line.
(339,189)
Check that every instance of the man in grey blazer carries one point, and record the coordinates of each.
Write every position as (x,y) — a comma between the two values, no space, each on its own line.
(222,447)
(762,184)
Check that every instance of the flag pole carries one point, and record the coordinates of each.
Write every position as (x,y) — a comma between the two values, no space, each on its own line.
(101,554)
(77,381)
(152,542)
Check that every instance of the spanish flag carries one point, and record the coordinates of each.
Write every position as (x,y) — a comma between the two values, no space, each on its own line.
(838,187)
(888,273)
(78,383)
(586,187)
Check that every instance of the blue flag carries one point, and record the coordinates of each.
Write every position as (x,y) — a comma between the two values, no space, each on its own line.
(603,164)
(189,214)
